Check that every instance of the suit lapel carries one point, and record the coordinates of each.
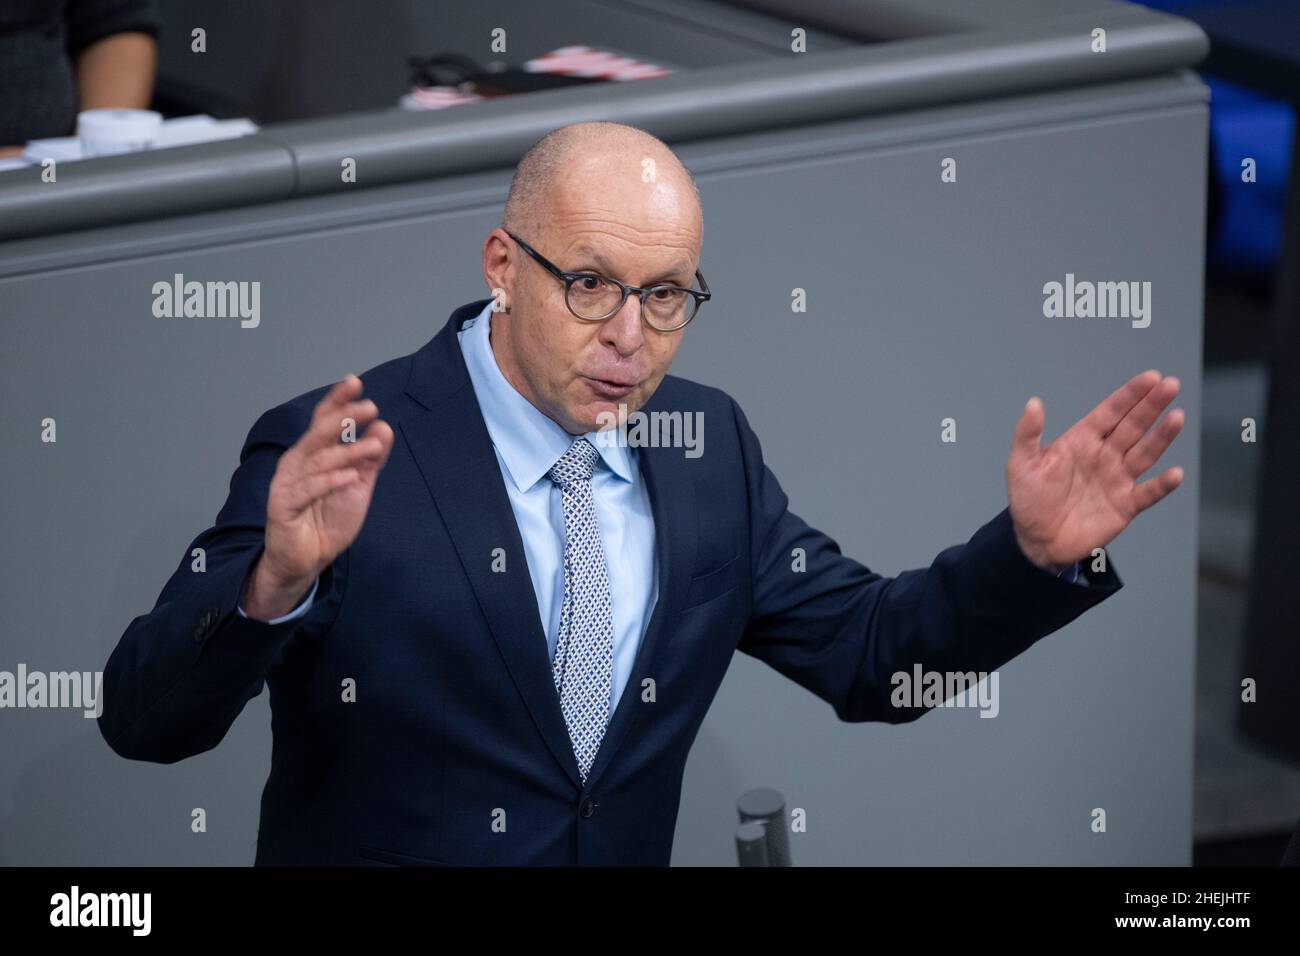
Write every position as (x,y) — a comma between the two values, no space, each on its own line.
(453,451)
(451,447)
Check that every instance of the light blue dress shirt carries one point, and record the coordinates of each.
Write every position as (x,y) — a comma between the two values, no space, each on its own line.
(527,444)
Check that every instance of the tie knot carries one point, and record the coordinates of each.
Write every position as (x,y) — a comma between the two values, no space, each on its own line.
(576,464)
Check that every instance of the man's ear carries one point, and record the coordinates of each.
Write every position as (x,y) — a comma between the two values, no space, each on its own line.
(497,274)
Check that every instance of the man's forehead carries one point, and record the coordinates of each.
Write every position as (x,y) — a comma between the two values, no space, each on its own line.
(677,265)
(620,181)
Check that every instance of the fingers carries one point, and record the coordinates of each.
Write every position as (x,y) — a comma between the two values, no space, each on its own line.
(1143,415)
(321,450)
(1101,421)
(357,461)
(1153,444)
(1029,430)
(1154,489)
(327,427)
(327,417)
(300,495)
(381,432)
(347,454)
(342,403)
(347,389)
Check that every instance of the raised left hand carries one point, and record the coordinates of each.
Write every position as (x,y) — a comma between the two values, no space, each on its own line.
(1081,491)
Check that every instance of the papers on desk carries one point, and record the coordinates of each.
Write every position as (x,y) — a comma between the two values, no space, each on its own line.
(187,130)
(181,131)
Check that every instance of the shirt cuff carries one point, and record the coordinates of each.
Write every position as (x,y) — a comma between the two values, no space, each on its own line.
(296,613)
(1070,574)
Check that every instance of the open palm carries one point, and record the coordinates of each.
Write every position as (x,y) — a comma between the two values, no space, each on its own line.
(321,489)
(1081,491)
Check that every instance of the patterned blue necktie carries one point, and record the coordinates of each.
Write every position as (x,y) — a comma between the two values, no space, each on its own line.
(584,651)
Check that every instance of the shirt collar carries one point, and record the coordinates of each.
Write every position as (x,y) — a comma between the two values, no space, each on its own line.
(528,442)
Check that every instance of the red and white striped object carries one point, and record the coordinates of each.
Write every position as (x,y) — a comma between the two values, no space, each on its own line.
(588,61)
(436,98)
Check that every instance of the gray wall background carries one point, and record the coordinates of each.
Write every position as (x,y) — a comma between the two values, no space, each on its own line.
(924,302)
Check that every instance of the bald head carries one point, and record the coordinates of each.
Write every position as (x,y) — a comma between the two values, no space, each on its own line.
(582,150)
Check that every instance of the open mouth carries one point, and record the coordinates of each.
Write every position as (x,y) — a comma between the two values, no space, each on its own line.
(606,388)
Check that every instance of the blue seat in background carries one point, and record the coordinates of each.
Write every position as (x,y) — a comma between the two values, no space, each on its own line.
(1245,227)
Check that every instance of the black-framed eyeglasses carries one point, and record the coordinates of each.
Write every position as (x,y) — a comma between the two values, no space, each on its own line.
(593,297)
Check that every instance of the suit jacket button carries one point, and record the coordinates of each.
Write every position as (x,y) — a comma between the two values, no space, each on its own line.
(587,807)
(205,623)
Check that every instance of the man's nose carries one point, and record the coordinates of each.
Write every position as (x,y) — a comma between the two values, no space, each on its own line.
(623,330)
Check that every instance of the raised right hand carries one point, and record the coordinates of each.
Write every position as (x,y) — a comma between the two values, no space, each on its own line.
(318,499)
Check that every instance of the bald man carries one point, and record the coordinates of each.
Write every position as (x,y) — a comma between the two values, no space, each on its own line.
(492,623)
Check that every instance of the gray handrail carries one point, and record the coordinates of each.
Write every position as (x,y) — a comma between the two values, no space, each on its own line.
(871,20)
(391,146)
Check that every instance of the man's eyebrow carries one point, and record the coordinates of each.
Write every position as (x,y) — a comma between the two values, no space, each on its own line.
(587,254)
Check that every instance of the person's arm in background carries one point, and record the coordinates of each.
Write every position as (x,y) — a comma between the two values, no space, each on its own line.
(108,44)
(117,72)
(113,45)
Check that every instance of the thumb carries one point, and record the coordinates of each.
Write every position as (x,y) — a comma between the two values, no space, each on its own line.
(1029,430)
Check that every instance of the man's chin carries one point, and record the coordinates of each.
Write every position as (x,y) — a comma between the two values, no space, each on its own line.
(603,414)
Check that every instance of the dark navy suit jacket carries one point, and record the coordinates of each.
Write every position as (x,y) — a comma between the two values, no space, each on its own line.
(456,722)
